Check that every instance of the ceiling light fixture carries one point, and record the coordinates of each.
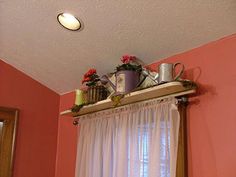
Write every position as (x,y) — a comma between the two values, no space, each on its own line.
(69,21)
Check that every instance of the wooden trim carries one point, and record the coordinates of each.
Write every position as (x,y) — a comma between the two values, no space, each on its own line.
(8,116)
(182,158)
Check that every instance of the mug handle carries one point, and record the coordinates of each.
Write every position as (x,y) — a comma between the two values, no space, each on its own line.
(181,71)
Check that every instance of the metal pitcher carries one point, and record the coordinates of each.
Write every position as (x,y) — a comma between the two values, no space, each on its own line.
(166,71)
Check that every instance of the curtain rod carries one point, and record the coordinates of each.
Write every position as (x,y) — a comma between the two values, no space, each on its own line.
(179,96)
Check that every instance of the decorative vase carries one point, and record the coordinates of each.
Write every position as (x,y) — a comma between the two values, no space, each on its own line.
(126,81)
(96,93)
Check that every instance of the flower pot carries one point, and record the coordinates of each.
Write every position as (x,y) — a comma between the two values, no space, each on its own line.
(96,93)
(126,81)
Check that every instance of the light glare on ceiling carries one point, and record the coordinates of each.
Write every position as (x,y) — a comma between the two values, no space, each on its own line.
(69,21)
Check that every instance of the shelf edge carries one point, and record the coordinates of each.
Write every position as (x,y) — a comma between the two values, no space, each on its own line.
(107,104)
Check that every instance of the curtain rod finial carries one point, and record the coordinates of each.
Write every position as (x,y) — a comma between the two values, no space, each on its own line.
(75,122)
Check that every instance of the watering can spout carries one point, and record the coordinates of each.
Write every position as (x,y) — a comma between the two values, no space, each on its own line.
(104,80)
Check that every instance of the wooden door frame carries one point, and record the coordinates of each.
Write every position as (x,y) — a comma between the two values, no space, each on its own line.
(8,116)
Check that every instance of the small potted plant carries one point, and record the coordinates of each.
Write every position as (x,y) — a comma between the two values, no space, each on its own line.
(129,64)
(95,92)
(127,74)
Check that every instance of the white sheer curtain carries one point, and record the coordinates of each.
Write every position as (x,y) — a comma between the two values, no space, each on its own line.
(138,140)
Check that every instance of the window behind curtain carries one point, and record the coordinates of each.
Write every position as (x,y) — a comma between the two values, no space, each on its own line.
(143,146)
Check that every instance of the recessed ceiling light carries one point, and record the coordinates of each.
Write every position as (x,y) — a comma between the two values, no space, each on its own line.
(69,21)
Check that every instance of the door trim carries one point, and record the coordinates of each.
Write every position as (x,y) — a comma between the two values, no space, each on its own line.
(9,117)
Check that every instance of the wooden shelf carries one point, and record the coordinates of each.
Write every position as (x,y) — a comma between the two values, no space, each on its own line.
(173,89)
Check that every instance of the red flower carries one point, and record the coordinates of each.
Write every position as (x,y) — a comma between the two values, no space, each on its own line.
(91,77)
(86,79)
(127,59)
(90,72)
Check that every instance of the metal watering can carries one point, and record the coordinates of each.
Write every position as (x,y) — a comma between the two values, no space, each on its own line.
(125,81)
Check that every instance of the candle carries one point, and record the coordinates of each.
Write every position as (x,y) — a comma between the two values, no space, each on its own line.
(79,98)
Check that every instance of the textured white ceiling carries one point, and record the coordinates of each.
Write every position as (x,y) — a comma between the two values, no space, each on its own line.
(32,40)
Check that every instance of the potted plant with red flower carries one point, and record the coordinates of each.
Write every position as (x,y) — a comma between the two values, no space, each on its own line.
(91,78)
(95,92)
(127,74)
(129,64)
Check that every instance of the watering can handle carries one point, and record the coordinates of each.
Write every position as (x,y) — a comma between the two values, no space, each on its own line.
(140,82)
(180,72)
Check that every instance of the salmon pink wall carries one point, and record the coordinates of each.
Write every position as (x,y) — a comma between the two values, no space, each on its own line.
(67,140)
(36,140)
(211,113)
